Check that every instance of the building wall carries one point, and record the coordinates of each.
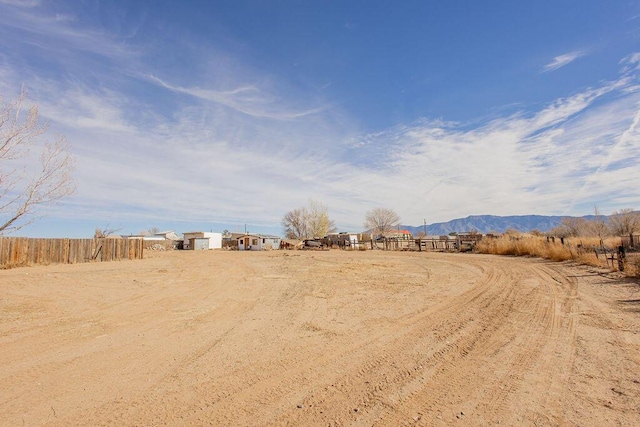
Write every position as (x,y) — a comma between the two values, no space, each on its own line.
(254,243)
(215,239)
(199,243)
(258,243)
(270,243)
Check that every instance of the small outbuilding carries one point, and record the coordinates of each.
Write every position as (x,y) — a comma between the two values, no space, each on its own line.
(202,240)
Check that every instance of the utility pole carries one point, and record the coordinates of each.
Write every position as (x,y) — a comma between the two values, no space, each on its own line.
(425,227)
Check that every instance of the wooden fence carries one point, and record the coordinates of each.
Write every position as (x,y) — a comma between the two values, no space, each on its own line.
(631,241)
(22,251)
(460,243)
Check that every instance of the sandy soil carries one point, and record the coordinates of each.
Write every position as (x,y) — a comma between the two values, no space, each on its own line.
(319,338)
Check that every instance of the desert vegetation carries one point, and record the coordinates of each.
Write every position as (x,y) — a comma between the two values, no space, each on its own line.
(592,242)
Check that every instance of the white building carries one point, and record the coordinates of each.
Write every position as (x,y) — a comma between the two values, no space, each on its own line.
(202,240)
(258,242)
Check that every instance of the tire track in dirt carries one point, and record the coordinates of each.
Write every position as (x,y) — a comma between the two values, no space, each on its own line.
(442,369)
(267,345)
(165,390)
(538,326)
(376,370)
(469,318)
(270,383)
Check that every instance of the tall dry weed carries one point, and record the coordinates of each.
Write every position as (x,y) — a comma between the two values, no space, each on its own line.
(526,246)
(537,246)
(632,266)
(579,249)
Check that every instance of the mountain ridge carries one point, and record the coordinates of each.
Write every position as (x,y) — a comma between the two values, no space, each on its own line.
(494,223)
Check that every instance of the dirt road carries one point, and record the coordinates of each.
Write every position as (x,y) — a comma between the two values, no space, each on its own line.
(318,338)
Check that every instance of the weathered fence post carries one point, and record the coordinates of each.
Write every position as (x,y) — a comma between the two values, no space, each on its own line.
(621,257)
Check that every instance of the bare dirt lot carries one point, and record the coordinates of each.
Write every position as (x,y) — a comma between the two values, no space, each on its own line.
(319,338)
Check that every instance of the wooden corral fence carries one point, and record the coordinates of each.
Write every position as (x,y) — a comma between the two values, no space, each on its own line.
(442,244)
(461,242)
(631,241)
(22,251)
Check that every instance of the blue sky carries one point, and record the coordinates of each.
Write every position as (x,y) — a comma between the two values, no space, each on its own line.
(209,115)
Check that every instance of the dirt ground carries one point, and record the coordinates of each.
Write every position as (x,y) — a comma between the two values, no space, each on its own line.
(319,338)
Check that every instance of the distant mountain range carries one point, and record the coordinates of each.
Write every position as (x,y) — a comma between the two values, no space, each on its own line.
(492,223)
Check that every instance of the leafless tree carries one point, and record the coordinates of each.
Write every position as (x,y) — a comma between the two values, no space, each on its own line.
(571,227)
(27,183)
(294,223)
(152,231)
(624,222)
(381,221)
(103,232)
(598,226)
(308,222)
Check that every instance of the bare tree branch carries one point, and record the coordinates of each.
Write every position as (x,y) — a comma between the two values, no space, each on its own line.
(104,232)
(26,182)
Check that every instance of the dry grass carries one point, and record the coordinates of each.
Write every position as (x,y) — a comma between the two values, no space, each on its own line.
(576,249)
(632,266)
(525,246)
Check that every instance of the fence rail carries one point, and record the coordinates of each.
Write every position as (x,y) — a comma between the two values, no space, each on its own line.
(631,241)
(22,251)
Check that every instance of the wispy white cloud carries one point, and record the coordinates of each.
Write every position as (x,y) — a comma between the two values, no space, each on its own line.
(631,63)
(248,100)
(81,109)
(53,35)
(22,3)
(220,150)
(573,153)
(562,60)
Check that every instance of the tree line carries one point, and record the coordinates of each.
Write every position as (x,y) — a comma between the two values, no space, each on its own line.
(312,221)
(620,223)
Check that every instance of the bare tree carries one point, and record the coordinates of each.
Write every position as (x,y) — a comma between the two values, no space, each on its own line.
(598,225)
(624,222)
(571,227)
(152,231)
(26,182)
(104,232)
(295,224)
(308,222)
(381,221)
